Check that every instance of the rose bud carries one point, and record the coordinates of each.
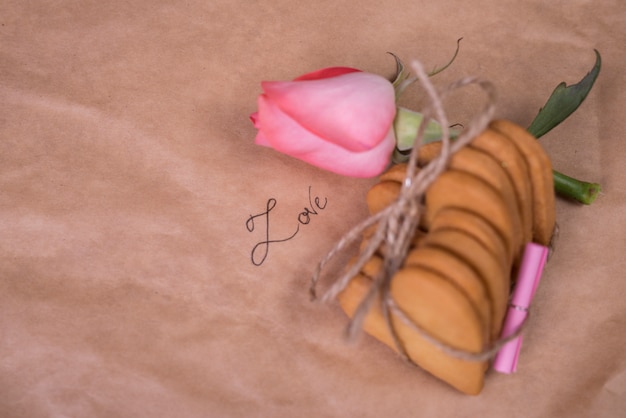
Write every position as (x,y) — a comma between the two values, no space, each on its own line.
(338,119)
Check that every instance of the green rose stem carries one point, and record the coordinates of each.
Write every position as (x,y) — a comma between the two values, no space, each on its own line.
(581,191)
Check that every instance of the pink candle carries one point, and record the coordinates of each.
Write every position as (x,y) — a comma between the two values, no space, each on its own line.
(534,259)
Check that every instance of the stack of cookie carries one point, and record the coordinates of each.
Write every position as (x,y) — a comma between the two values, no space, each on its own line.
(495,196)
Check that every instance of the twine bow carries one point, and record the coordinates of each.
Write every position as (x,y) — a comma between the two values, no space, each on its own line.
(398,222)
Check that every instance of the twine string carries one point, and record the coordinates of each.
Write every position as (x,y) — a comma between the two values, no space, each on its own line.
(398,222)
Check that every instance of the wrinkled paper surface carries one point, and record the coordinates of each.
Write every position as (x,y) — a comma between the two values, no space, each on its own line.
(128,177)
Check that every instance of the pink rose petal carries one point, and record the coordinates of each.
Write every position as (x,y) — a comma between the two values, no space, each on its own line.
(354,110)
(254,117)
(326,73)
(261,139)
(286,136)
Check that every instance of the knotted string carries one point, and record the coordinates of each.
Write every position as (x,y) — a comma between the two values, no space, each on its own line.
(397,223)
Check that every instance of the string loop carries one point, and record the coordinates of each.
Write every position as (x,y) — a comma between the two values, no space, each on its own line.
(397,223)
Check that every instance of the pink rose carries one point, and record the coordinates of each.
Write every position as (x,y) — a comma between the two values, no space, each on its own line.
(339,119)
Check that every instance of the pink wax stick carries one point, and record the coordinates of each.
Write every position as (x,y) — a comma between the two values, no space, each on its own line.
(534,259)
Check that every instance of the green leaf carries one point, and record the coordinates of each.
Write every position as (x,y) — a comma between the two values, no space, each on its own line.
(403,78)
(456,52)
(401,75)
(564,101)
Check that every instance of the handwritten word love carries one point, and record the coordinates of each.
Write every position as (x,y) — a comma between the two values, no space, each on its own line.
(261,249)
